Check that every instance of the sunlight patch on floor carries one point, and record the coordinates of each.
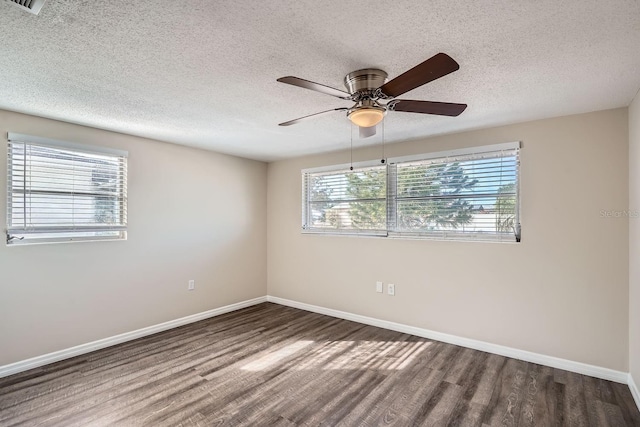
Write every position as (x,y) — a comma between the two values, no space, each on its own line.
(337,355)
(274,357)
(382,355)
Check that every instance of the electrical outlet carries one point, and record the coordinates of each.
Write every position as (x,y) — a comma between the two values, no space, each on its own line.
(379,287)
(192,285)
(391,289)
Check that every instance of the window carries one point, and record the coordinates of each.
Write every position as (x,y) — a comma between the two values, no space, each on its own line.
(470,194)
(57,191)
(346,200)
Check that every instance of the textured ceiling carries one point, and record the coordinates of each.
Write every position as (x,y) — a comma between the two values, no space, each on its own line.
(203,73)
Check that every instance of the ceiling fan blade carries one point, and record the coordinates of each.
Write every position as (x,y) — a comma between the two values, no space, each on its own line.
(428,107)
(296,81)
(433,68)
(294,121)
(367,132)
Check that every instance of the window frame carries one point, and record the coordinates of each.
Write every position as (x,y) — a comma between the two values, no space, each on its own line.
(24,234)
(392,198)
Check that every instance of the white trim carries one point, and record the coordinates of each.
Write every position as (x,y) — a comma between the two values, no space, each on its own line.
(347,232)
(344,166)
(85,148)
(35,362)
(452,236)
(541,359)
(634,391)
(76,239)
(457,152)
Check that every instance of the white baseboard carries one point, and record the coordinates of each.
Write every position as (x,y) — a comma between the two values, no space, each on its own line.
(634,391)
(541,359)
(78,350)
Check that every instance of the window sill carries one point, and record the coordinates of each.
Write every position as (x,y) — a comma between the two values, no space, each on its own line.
(50,241)
(407,236)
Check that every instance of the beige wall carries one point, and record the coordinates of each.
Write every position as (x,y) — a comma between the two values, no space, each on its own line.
(193,214)
(561,292)
(634,240)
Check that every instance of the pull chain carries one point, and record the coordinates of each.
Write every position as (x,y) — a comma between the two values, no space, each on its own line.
(351,151)
(383,154)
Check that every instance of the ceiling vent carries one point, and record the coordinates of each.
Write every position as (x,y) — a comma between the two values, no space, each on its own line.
(31,6)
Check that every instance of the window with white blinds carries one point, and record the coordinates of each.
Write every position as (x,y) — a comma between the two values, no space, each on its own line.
(469,194)
(465,194)
(345,200)
(58,191)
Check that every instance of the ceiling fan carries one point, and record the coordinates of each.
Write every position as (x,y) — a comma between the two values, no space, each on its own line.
(374,96)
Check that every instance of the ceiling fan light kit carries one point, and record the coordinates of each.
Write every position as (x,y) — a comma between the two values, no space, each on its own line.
(366,116)
(373,95)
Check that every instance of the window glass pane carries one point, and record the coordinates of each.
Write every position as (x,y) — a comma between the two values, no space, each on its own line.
(356,215)
(471,196)
(65,210)
(347,200)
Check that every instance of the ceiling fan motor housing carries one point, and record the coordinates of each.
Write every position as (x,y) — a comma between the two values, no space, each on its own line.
(367,79)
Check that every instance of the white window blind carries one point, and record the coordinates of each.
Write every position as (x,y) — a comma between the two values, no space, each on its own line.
(345,201)
(470,194)
(466,196)
(61,192)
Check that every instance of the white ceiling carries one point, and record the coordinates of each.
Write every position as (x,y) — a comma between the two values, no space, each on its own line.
(203,73)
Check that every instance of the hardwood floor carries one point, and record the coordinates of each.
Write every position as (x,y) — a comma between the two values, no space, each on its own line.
(270,365)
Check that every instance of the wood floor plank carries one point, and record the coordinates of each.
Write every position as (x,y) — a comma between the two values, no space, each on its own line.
(595,411)
(269,365)
(575,406)
(506,401)
(530,405)
(540,406)
(558,404)
(626,403)
(467,360)
(613,414)
(344,403)
(404,399)
(481,390)
(467,414)
(436,410)
(401,391)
